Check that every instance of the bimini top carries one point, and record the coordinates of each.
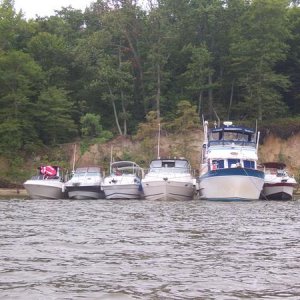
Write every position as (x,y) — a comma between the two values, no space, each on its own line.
(93,169)
(125,164)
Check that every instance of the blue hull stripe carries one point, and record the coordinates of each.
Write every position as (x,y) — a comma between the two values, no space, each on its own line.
(234,172)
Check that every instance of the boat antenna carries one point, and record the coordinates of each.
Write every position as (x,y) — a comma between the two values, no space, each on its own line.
(256,128)
(158,141)
(74,158)
(111,158)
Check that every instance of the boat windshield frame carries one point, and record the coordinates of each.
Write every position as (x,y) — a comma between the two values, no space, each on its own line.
(170,166)
(231,135)
(230,143)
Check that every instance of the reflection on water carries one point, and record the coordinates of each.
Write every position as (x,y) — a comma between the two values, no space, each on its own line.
(149,250)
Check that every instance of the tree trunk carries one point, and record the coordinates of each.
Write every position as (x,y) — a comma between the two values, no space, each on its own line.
(124,114)
(115,111)
(200,103)
(230,100)
(139,67)
(210,96)
(158,90)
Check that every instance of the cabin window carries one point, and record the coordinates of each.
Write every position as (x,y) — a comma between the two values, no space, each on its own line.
(249,164)
(232,163)
(155,164)
(168,164)
(218,163)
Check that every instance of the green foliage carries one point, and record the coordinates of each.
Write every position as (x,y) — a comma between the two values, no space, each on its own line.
(90,125)
(147,135)
(184,123)
(84,146)
(54,122)
(17,172)
(186,118)
(12,26)
(20,77)
(237,59)
(198,70)
(258,43)
(51,52)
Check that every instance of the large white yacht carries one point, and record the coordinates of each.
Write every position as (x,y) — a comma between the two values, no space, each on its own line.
(228,169)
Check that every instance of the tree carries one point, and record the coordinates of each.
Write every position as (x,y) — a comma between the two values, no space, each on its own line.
(185,121)
(198,71)
(52,53)
(147,133)
(258,44)
(20,80)
(90,125)
(53,121)
(290,67)
(12,26)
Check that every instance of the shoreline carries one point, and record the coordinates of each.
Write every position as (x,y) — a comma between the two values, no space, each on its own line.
(15,192)
(22,193)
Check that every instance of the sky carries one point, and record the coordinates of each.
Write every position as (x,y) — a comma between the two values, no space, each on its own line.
(43,8)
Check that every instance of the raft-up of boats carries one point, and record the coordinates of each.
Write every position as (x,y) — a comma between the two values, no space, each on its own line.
(229,171)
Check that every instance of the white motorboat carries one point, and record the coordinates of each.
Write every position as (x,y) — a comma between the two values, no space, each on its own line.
(124,181)
(47,184)
(229,164)
(169,179)
(85,184)
(279,185)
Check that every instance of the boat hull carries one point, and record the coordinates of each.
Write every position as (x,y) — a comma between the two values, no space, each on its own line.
(278,191)
(85,192)
(122,191)
(45,189)
(231,184)
(168,190)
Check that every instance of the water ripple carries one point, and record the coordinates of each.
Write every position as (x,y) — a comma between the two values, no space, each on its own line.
(149,250)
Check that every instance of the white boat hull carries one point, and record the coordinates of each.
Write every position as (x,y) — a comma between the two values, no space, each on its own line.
(85,184)
(168,190)
(124,186)
(85,192)
(124,191)
(278,191)
(231,187)
(44,189)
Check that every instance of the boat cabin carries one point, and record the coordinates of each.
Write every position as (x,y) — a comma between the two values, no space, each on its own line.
(215,164)
(275,168)
(178,165)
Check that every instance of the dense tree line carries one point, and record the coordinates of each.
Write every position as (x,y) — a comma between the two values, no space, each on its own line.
(100,72)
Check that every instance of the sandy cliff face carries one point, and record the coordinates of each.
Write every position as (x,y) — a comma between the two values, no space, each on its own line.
(286,151)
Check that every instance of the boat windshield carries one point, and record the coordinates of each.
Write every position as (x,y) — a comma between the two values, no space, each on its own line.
(91,171)
(237,136)
(170,166)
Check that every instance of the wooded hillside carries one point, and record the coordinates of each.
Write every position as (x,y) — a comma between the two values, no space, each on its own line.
(103,72)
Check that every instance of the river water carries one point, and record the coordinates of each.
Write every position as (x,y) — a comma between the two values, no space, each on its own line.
(107,249)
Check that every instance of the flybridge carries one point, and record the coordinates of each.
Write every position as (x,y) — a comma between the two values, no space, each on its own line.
(232,128)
